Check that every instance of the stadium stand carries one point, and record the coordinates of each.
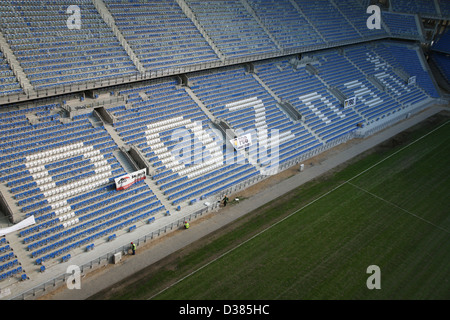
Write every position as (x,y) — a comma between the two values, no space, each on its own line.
(439,55)
(374,65)
(279,71)
(444,6)
(233,29)
(9,264)
(329,21)
(422,7)
(66,183)
(407,58)
(8,81)
(352,9)
(288,26)
(443,43)
(371,102)
(252,110)
(401,25)
(321,111)
(39,37)
(442,61)
(186,158)
(160,34)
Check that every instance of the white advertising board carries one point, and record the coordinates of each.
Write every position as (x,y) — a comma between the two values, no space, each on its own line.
(242,142)
(351,102)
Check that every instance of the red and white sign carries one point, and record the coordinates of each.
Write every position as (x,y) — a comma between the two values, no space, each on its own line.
(126,181)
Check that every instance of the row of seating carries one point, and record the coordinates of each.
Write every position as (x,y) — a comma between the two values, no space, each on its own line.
(373,64)
(442,61)
(61,186)
(232,28)
(8,81)
(100,200)
(30,142)
(5,248)
(357,15)
(160,33)
(188,163)
(11,273)
(182,148)
(51,232)
(72,203)
(445,8)
(287,25)
(9,264)
(407,58)
(217,188)
(329,21)
(99,140)
(42,168)
(99,231)
(241,101)
(41,44)
(320,110)
(22,111)
(422,7)
(401,25)
(371,103)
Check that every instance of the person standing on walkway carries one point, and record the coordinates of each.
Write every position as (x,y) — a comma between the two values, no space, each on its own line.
(186,225)
(225,200)
(133,248)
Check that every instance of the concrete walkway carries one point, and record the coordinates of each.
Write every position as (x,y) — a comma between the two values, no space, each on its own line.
(111,274)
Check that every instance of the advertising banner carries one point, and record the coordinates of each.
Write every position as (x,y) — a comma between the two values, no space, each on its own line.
(129,179)
(351,102)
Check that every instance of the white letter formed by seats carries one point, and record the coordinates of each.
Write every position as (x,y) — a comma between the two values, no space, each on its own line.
(74,21)
(374,21)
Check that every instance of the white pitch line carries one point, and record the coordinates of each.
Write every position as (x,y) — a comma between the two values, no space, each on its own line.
(399,150)
(398,207)
(298,210)
(242,243)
